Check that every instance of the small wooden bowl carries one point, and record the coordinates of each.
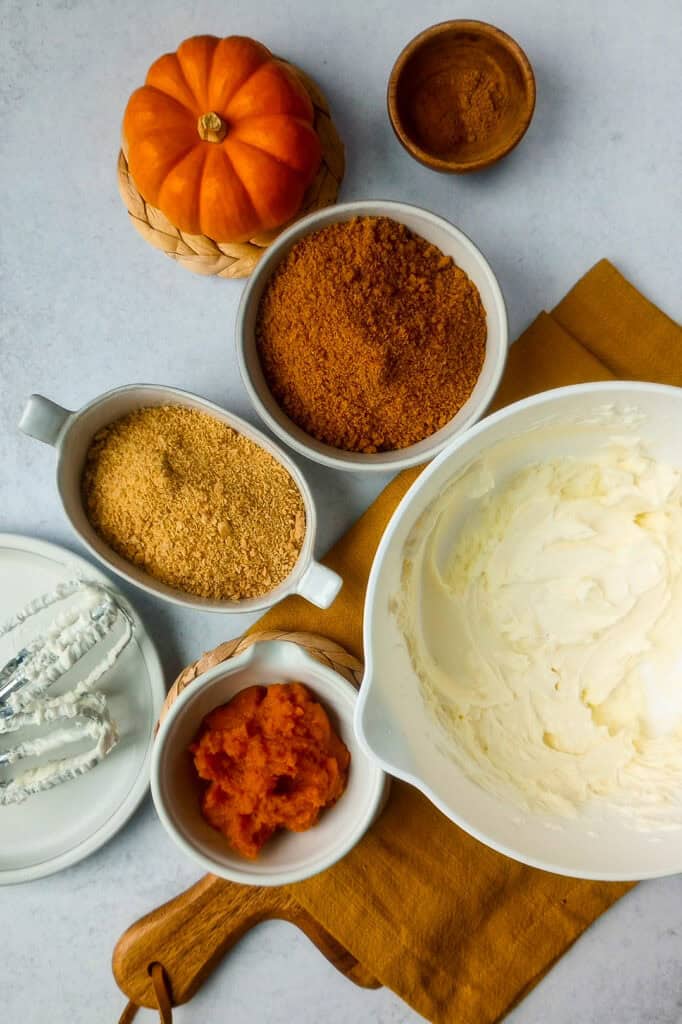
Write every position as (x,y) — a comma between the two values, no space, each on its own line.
(424,67)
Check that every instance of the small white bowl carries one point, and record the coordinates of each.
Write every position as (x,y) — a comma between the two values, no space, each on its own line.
(288,856)
(71,433)
(452,242)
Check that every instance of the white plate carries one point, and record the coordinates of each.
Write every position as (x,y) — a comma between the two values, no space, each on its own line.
(61,826)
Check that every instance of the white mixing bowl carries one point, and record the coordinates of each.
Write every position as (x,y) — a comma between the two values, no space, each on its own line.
(392,721)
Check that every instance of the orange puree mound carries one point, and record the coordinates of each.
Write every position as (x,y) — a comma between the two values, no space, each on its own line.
(272,760)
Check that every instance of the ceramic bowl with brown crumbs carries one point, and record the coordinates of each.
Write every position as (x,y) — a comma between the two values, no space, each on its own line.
(370,334)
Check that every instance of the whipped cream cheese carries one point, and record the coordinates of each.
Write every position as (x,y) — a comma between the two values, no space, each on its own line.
(543,615)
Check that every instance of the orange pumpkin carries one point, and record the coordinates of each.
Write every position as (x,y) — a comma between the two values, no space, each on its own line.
(221,138)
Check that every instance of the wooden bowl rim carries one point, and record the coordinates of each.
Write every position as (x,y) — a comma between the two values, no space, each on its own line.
(461,25)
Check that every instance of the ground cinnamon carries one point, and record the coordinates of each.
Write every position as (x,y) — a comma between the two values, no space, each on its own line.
(370,338)
(457,104)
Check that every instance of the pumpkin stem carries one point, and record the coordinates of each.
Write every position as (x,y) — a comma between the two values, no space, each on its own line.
(211,127)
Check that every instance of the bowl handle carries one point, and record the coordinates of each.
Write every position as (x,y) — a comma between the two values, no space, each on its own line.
(44,420)
(319,585)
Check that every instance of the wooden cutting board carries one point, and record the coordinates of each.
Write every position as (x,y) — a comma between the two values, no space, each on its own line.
(189,936)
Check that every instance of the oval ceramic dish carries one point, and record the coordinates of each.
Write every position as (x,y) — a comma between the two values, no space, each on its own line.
(289,856)
(392,721)
(453,243)
(71,432)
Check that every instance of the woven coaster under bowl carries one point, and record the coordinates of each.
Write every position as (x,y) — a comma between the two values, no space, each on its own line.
(327,652)
(203,255)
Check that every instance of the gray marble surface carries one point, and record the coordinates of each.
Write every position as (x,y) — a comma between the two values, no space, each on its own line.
(86,305)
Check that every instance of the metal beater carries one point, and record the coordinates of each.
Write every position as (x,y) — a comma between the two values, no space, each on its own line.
(77,715)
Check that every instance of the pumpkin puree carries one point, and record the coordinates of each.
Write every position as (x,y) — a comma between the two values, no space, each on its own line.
(271,760)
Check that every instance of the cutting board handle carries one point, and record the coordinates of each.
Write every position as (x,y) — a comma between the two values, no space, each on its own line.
(189,936)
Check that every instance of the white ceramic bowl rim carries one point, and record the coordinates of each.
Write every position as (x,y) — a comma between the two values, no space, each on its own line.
(398,459)
(613,387)
(374,780)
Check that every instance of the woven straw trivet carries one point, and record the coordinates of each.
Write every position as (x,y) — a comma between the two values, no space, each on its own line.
(201,254)
(325,651)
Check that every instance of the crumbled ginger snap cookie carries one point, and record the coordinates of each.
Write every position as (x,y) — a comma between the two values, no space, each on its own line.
(195,504)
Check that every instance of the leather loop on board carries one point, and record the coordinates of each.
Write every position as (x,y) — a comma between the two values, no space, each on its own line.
(158,977)
(161,991)
(129,1013)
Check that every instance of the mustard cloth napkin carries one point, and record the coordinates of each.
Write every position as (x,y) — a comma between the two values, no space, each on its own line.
(459,932)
